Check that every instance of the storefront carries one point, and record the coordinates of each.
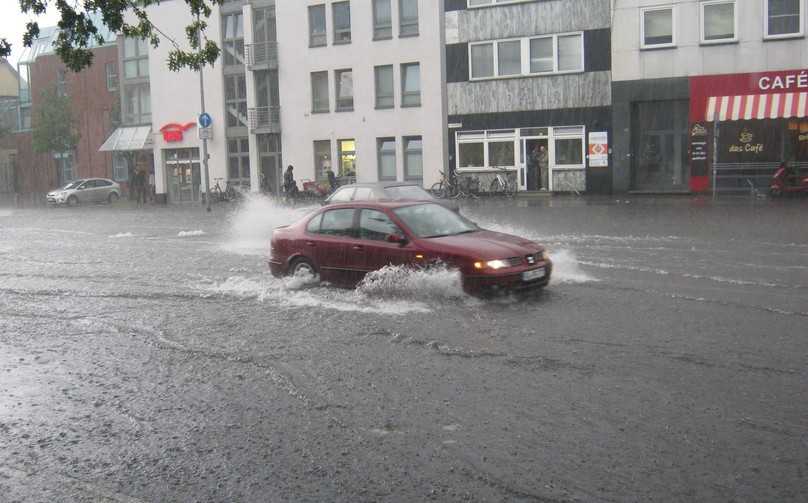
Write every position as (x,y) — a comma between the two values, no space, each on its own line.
(743,126)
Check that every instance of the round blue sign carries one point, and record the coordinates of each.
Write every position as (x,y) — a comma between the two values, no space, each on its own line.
(205,120)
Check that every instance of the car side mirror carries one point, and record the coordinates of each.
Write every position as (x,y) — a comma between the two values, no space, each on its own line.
(396,239)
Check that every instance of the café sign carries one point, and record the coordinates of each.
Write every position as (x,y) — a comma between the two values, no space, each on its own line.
(787,82)
(746,144)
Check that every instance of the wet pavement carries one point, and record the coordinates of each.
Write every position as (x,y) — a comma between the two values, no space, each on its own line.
(147,356)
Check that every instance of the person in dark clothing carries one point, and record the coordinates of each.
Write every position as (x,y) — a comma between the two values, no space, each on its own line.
(289,183)
(332,180)
(139,187)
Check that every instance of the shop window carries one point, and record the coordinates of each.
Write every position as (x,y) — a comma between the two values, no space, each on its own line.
(407,18)
(342,22)
(658,27)
(384,87)
(784,18)
(569,152)
(386,152)
(413,158)
(471,155)
(563,53)
(317,31)
(343,81)
(322,159)
(347,158)
(718,22)
(319,92)
(233,36)
(382,20)
(411,85)
(501,154)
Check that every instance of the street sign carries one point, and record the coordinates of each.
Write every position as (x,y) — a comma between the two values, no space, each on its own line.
(205,120)
(205,133)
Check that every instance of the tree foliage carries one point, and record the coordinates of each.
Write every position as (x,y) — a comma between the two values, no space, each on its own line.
(78,31)
(53,129)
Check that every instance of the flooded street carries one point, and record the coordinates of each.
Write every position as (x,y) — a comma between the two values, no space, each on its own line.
(148,356)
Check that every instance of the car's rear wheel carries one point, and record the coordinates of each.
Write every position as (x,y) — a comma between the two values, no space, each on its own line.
(302,267)
(113,198)
(72,201)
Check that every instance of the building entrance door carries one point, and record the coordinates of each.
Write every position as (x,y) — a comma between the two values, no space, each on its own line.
(537,158)
(271,173)
(660,146)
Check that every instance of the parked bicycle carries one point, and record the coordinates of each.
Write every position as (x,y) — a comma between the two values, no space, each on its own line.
(456,187)
(502,185)
(228,193)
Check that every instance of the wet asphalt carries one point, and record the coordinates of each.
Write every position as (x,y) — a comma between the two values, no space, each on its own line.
(147,356)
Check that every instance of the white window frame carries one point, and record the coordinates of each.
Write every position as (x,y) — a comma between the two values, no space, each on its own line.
(525,56)
(799,34)
(703,19)
(674,28)
(487,137)
(494,3)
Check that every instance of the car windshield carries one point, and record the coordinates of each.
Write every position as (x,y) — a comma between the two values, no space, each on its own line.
(72,185)
(434,221)
(407,192)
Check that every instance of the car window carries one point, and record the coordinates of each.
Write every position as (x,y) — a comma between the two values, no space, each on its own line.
(342,195)
(363,194)
(376,226)
(433,220)
(86,185)
(314,224)
(103,183)
(338,222)
(407,192)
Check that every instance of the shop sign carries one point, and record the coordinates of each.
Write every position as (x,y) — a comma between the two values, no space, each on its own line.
(173,132)
(749,142)
(698,130)
(789,81)
(746,143)
(598,149)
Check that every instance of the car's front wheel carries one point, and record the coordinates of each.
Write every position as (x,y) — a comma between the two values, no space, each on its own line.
(302,267)
(113,198)
(72,201)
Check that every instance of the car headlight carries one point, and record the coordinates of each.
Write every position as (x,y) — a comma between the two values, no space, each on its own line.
(497,264)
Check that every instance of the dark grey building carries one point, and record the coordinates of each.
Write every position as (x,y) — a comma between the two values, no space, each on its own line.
(528,82)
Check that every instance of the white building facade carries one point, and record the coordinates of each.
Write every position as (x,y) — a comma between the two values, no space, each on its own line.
(361,87)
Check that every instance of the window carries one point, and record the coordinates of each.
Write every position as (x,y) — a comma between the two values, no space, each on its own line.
(718,22)
(319,92)
(135,58)
(343,80)
(486,149)
(471,155)
(314,224)
(386,148)
(322,159)
(235,98)
(384,87)
(657,27)
(317,33)
(501,154)
(382,20)
(784,18)
(238,159)
(563,53)
(486,3)
(342,22)
(376,226)
(137,104)
(411,85)
(407,18)
(569,152)
(347,158)
(338,223)
(61,82)
(64,167)
(112,76)
(264,25)
(413,158)
(120,167)
(233,36)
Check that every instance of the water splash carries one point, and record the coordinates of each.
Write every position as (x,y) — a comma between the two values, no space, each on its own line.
(437,283)
(121,235)
(252,224)
(188,234)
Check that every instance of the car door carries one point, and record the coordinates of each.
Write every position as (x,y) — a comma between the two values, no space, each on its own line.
(103,189)
(331,245)
(374,229)
(84,192)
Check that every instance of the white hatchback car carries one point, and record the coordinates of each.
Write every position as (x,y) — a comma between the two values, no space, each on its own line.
(86,190)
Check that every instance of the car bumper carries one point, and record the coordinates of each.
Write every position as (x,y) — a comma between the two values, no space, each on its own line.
(505,283)
(277,268)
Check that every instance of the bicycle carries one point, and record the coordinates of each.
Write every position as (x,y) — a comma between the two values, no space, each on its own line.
(457,187)
(229,193)
(501,185)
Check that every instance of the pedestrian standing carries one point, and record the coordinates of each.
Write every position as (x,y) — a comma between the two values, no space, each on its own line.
(332,180)
(544,166)
(289,183)
(139,187)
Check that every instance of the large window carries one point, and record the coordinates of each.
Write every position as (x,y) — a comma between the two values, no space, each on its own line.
(486,149)
(233,36)
(411,85)
(112,76)
(137,104)
(343,84)
(718,22)
(235,94)
(384,87)
(317,32)
(386,151)
(238,159)
(413,158)
(657,27)
(135,58)
(342,22)
(563,53)
(382,20)
(407,18)
(322,159)
(319,92)
(347,158)
(784,18)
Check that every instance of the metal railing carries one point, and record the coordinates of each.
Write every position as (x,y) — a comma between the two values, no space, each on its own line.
(261,54)
(265,119)
(742,178)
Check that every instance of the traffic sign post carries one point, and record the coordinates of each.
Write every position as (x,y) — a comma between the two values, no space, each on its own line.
(205,120)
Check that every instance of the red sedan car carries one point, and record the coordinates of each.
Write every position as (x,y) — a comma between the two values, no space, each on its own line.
(343,242)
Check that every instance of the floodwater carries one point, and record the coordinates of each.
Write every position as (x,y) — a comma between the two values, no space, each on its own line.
(147,355)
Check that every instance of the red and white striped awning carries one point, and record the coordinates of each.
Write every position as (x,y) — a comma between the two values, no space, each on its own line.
(757,106)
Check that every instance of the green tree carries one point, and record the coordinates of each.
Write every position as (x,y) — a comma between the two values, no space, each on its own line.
(78,31)
(53,130)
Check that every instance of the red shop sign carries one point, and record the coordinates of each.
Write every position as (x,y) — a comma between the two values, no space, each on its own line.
(173,132)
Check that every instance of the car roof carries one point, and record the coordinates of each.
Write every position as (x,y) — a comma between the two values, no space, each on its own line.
(377,204)
(381,185)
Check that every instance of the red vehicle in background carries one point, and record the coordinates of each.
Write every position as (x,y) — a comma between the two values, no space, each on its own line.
(788,180)
(343,242)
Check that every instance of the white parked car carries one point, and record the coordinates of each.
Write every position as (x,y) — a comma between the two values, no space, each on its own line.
(86,190)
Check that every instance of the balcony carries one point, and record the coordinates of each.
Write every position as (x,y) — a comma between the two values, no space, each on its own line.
(261,56)
(265,119)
